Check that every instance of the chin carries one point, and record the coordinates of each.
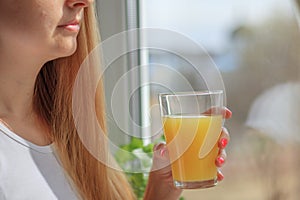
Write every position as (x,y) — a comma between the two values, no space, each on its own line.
(66,50)
(71,52)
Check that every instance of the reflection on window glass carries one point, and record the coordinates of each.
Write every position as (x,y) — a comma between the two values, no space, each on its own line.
(256,46)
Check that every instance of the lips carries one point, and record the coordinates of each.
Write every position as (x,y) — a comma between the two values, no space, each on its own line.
(73,25)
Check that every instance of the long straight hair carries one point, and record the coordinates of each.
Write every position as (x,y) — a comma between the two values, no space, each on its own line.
(92,179)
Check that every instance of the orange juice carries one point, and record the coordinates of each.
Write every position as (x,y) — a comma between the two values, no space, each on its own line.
(192,145)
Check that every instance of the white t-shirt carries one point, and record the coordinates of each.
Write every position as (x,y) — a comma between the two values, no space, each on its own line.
(29,171)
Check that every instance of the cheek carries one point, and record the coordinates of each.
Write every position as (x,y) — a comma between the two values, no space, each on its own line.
(18,15)
(26,21)
(17,30)
(33,25)
(30,26)
(49,15)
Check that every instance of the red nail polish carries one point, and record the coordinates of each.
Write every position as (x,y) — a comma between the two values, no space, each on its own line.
(220,176)
(158,146)
(162,151)
(223,143)
(220,160)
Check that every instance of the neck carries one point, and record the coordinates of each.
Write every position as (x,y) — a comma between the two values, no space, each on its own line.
(17,80)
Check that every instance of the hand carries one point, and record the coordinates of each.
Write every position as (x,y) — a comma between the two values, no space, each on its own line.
(223,141)
(160,183)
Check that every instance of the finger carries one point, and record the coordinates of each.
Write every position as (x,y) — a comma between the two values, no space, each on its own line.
(161,159)
(220,160)
(220,176)
(224,138)
(225,112)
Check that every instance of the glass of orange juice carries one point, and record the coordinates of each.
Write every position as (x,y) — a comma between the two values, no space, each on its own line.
(192,124)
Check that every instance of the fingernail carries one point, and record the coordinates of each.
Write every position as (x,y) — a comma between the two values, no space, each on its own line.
(220,160)
(220,176)
(227,113)
(162,151)
(223,143)
(158,146)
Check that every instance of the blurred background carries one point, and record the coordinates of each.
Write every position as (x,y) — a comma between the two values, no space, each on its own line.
(255,45)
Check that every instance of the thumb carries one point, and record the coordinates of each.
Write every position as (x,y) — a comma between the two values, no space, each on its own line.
(161,159)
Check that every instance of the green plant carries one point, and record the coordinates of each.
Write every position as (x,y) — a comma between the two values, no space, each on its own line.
(136,155)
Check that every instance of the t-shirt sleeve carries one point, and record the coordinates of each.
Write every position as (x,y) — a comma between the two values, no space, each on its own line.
(2,194)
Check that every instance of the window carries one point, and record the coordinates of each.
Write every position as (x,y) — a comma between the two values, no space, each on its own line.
(254,45)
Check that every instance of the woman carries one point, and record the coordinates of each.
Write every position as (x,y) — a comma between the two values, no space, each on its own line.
(42,44)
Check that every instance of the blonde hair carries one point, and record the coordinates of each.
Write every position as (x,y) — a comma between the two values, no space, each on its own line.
(53,102)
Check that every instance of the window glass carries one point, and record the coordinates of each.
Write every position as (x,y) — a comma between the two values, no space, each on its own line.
(255,45)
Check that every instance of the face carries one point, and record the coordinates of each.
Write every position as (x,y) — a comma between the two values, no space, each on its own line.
(45,28)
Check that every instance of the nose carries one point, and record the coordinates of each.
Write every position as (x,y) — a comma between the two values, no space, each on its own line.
(79,3)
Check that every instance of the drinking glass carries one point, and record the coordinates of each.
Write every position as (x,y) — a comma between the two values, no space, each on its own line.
(192,124)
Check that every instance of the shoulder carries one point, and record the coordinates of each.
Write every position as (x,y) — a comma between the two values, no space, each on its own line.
(2,197)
